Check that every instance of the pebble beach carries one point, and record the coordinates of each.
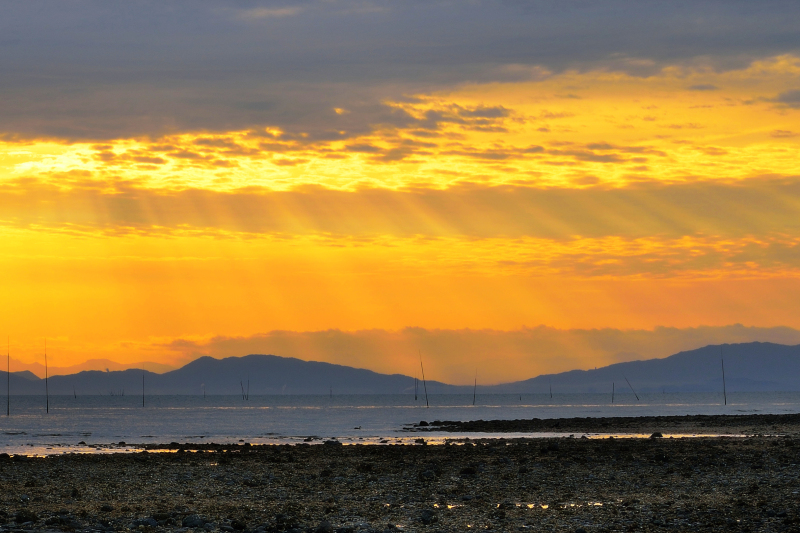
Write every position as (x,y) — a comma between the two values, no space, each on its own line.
(747,480)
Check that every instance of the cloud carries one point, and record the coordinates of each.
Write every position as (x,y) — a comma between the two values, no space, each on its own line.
(789,99)
(269,12)
(703,87)
(87,70)
(749,208)
(453,355)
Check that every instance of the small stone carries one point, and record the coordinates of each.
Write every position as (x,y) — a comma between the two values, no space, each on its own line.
(25,515)
(657,435)
(427,475)
(193,521)
(423,424)
(324,527)
(428,517)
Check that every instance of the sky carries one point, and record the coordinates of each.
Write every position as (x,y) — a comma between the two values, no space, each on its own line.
(507,187)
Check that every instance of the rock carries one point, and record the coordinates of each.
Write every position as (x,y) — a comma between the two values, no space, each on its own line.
(423,424)
(238,525)
(148,522)
(427,475)
(657,435)
(25,515)
(580,530)
(428,517)
(468,471)
(193,520)
(106,508)
(324,527)
(333,443)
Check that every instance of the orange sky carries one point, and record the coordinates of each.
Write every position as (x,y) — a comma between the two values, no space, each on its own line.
(574,199)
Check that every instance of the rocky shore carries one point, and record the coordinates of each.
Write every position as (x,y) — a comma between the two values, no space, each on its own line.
(537,484)
(788,424)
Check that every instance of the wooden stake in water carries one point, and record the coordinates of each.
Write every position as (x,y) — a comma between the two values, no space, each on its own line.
(612,392)
(631,386)
(724,390)
(551,390)
(142,385)
(46,389)
(8,377)
(475,390)
(415,388)
(424,384)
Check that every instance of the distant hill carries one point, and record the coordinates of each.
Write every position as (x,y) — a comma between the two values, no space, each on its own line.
(753,366)
(748,367)
(267,374)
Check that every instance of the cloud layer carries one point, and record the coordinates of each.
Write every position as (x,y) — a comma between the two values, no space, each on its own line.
(90,69)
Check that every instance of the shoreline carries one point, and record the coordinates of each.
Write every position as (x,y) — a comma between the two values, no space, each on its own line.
(741,425)
(457,432)
(551,484)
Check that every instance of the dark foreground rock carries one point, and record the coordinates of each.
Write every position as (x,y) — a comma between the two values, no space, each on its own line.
(593,485)
(644,425)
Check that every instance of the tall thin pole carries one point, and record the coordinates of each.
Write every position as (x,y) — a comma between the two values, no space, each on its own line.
(612,392)
(415,388)
(475,390)
(8,376)
(424,384)
(631,386)
(142,384)
(551,389)
(724,389)
(46,388)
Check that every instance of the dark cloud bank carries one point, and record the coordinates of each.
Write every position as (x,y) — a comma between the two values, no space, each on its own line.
(93,69)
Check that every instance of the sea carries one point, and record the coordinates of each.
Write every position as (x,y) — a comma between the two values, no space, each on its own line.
(36,425)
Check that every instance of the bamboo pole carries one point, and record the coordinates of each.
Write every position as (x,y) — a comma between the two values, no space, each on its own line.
(631,386)
(424,383)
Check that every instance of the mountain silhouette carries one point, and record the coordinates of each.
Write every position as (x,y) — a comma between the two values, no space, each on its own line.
(751,366)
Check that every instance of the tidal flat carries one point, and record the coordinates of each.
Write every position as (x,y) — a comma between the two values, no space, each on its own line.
(541,484)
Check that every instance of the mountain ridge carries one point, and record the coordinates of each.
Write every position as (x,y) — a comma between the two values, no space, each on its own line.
(751,366)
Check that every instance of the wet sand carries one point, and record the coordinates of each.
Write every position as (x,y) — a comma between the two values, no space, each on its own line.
(564,484)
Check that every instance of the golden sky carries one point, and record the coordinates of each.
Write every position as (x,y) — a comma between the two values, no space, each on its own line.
(621,194)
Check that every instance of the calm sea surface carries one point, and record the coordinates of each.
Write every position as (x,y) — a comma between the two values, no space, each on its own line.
(99,423)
